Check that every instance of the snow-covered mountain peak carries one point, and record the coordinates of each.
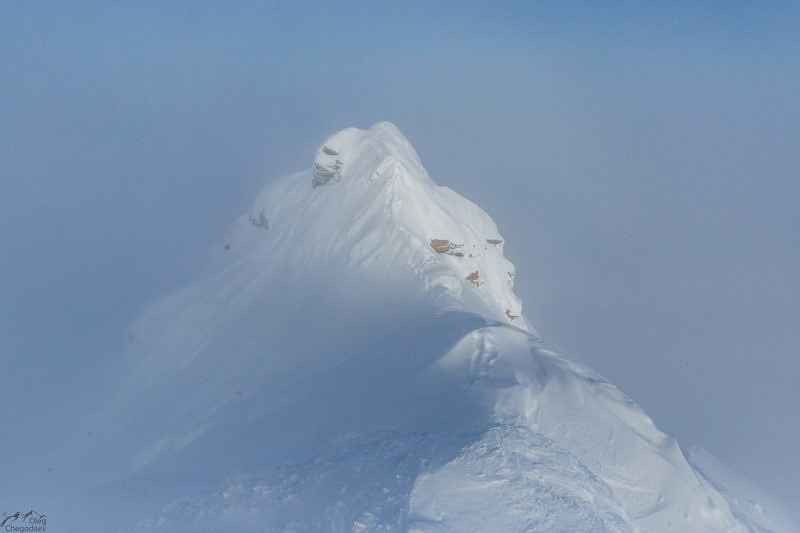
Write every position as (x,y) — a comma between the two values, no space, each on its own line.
(368,205)
(320,365)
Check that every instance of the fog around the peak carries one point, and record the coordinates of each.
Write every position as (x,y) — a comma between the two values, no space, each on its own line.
(640,162)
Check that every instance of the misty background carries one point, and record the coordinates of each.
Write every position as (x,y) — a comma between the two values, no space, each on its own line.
(641,162)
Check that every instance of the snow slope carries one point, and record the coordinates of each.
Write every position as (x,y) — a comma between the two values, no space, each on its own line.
(355,359)
(748,502)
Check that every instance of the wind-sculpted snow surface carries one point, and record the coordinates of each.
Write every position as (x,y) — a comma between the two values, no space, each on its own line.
(506,479)
(355,359)
(513,479)
(361,481)
(531,386)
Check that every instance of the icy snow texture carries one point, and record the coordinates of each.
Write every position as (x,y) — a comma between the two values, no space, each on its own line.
(343,356)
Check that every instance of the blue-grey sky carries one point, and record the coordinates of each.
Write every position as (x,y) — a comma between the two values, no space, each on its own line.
(642,162)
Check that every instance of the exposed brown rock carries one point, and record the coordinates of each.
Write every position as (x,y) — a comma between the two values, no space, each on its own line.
(440,245)
(510,316)
(494,241)
(473,278)
(443,246)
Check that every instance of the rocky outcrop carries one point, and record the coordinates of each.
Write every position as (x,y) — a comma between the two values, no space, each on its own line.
(260,221)
(444,246)
(327,167)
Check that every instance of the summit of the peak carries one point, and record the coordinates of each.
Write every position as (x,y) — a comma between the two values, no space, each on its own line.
(381,132)
(369,204)
(351,151)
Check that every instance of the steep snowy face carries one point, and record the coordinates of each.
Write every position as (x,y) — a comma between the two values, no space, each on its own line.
(368,204)
(320,282)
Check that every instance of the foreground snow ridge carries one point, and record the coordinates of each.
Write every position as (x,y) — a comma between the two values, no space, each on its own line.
(356,360)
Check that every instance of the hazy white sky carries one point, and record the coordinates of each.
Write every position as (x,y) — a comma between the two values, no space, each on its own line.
(641,162)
